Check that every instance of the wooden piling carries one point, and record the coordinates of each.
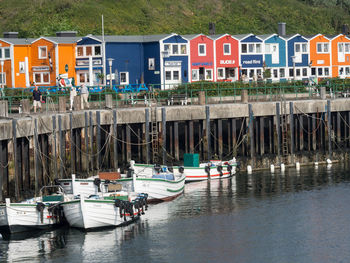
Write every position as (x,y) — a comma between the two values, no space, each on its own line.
(207,132)
(164,153)
(91,160)
(36,155)
(72,145)
(86,133)
(251,135)
(98,139)
(292,133)
(329,127)
(148,152)
(191,136)
(115,141)
(176,140)
(220,140)
(262,135)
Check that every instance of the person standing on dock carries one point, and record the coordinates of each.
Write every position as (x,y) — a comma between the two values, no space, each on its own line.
(72,94)
(36,97)
(84,92)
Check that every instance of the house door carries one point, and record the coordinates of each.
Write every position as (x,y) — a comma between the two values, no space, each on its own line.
(172,77)
(275,54)
(201,73)
(341,52)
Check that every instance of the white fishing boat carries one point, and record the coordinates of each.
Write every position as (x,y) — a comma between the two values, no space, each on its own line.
(158,182)
(104,211)
(214,169)
(38,213)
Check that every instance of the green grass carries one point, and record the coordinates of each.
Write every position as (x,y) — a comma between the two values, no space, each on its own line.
(45,17)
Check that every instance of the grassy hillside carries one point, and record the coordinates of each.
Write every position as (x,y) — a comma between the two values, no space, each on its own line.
(32,18)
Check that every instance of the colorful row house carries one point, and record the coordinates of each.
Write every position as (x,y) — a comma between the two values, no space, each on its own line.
(170,59)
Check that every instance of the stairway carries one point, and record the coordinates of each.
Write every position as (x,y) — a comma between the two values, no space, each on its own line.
(154,132)
(284,128)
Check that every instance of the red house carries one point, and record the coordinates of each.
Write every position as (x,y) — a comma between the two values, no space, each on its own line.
(201,64)
(226,58)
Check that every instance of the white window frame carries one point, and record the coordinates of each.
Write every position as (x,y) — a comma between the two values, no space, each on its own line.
(229,48)
(4,52)
(268,48)
(224,73)
(322,44)
(84,51)
(172,76)
(205,50)
(41,77)
(205,74)
(87,76)
(3,78)
(126,77)
(254,45)
(181,49)
(246,48)
(178,50)
(39,52)
(197,71)
(301,47)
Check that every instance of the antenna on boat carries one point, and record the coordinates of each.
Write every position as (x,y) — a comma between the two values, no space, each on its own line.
(103,52)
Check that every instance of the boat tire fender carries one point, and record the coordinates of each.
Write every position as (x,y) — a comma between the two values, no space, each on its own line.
(219,168)
(181,169)
(207,170)
(97,181)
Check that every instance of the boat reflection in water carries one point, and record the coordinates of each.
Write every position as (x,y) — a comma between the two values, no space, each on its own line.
(287,211)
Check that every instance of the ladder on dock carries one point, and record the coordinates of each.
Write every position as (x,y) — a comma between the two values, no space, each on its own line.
(154,131)
(284,129)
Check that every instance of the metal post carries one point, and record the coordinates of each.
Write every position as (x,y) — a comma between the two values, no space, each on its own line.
(251,134)
(234,139)
(291,115)
(61,144)
(220,142)
(313,131)
(262,135)
(148,157)
(164,134)
(278,129)
(115,141)
(128,143)
(207,131)
(301,132)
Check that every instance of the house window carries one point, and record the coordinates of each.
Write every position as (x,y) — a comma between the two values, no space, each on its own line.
(175,75)
(208,74)
(313,71)
(84,77)
(320,71)
(221,73)
(88,51)
(300,48)
(258,48)
(275,73)
(97,50)
(167,75)
(80,51)
(42,52)
(304,72)
(347,71)
(124,78)
(183,50)
(195,74)
(227,49)
(41,77)
(175,49)
(341,47)
(167,47)
(282,73)
(244,48)
(251,48)
(347,47)
(201,50)
(7,52)
(151,64)
(326,71)
(322,47)
(297,72)
(291,72)
(2,78)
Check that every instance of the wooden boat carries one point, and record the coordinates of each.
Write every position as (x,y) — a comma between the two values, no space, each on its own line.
(104,211)
(158,182)
(38,213)
(214,169)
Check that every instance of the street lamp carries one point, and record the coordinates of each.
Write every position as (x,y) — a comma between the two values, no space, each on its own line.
(110,63)
(165,54)
(2,74)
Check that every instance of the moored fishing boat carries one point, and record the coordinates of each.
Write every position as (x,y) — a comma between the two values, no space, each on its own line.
(104,211)
(38,213)
(158,182)
(214,169)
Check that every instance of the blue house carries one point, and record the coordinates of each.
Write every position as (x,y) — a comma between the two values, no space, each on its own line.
(89,61)
(251,56)
(298,57)
(275,56)
(124,60)
(166,60)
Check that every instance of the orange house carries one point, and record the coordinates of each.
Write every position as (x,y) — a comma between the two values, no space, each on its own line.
(340,56)
(320,56)
(6,51)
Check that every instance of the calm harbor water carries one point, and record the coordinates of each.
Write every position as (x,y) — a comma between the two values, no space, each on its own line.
(292,217)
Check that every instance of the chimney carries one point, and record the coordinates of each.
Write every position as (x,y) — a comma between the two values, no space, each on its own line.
(345,29)
(10,34)
(66,34)
(282,29)
(211,28)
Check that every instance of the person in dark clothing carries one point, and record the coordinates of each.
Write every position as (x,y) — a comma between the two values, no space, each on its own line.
(36,97)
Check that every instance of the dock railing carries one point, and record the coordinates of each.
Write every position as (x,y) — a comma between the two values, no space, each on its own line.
(215,92)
